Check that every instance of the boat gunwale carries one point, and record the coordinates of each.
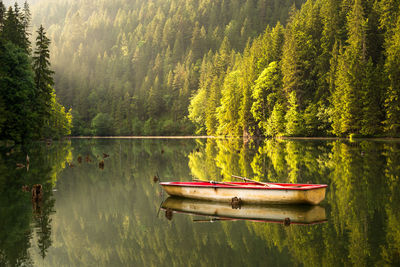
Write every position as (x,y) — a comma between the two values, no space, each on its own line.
(237,185)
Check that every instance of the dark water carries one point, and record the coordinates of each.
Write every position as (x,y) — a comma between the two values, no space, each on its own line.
(90,216)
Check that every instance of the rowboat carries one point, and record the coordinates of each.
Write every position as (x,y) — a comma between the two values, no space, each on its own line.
(267,213)
(248,192)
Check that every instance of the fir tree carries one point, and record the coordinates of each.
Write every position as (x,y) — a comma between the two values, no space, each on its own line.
(20,120)
(228,111)
(2,16)
(25,20)
(351,75)
(266,92)
(43,73)
(371,95)
(294,119)
(276,122)
(392,100)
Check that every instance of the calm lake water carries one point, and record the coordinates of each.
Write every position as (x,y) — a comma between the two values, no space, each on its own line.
(113,216)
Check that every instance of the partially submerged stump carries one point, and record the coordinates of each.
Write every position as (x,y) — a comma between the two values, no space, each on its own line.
(169,213)
(37,193)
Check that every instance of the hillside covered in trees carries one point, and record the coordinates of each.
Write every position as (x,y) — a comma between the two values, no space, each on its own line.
(254,67)
(334,69)
(28,105)
(130,67)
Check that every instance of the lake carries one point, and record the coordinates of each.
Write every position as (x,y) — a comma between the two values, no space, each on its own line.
(112,215)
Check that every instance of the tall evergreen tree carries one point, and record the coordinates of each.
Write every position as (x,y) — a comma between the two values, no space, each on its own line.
(14,29)
(294,118)
(2,15)
(371,96)
(228,111)
(43,73)
(25,21)
(17,92)
(392,67)
(350,75)
(267,91)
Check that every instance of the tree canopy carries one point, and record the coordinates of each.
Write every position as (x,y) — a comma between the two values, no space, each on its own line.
(28,105)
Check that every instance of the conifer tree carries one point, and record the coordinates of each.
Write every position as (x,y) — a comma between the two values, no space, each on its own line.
(16,91)
(25,20)
(294,119)
(267,91)
(2,16)
(10,27)
(276,122)
(371,95)
(388,14)
(392,100)
(351,75)
(228,111)
(43,73)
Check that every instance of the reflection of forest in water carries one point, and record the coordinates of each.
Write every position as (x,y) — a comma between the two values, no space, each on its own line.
(25,224)
(109,217)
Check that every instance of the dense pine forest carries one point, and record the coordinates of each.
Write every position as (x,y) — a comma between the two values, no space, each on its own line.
(28,105)
(332,70)
(239,67)
(131,67)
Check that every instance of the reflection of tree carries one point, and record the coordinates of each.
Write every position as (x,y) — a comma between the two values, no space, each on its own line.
(15,205)
(202,161)
(362,197)
(43,221)
(390,251)
(15,212)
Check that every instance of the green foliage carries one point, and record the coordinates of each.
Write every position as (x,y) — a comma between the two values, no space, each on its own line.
(14,26)
(159,69)
(276,122)
(228,112)
(197,110)
(28,105)
(316,120)
(102,124)
(59,123)
(294,119)
(357,94)
(162,53)
(20,119)
(267,91)
(43,75)
(392,97)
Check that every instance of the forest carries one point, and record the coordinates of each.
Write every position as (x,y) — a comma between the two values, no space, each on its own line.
(228,68)
(252,68)
(132,67)
(29,108)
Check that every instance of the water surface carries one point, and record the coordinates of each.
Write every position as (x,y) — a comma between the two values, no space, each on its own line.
(111,216)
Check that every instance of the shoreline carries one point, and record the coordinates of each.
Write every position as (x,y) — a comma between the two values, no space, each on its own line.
(236,137)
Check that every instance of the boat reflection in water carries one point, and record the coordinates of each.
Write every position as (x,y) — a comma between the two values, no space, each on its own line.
(286,214)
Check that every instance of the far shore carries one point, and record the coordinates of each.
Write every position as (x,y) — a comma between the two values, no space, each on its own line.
(152,137)
(235,137)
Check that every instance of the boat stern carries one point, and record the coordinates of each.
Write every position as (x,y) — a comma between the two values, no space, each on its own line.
(315,196)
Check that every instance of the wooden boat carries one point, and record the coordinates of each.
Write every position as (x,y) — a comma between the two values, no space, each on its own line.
(287,214)
(248,192)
